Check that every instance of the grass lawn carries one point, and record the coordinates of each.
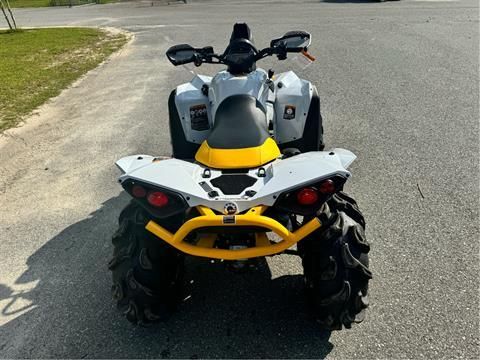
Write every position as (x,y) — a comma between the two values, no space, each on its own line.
(36,65)
(29,3)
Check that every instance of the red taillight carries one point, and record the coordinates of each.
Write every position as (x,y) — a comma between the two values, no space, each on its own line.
(327,187)
(307,196)
(157,199)
(138,191)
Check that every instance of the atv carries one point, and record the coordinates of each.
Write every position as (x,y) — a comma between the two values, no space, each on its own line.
(247,179)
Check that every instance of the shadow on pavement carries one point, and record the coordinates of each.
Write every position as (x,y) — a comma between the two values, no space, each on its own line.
(71,314)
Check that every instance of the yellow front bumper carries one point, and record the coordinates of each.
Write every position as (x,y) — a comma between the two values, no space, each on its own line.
(205,246)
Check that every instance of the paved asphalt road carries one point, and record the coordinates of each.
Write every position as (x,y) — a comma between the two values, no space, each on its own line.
(399,85)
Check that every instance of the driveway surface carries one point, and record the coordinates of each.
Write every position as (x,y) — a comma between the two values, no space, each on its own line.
(399,87)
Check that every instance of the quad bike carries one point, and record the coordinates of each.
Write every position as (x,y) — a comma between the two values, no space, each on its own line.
(247,165)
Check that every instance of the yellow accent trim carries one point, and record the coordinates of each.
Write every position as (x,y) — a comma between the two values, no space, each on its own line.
(207,241)
(161,232)
(251,218)
(238,158)
(259,210)
(203,210)
(261,240)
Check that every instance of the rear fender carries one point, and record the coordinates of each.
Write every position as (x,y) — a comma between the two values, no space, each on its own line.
(193,181)
(133,162)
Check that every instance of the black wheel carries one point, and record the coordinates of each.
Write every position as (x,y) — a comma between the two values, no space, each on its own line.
(147,273)
(342,202)
(335,263)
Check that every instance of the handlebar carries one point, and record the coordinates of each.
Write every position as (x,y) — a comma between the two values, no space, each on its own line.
(206,55)
(241,55)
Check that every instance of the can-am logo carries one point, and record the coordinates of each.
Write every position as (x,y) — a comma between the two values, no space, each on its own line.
(289,112)
(230,208)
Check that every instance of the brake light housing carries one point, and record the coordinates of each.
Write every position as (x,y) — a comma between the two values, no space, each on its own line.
(308,199)
(158,202)
(327,187)
(157,198)
(307,196)
(138,191)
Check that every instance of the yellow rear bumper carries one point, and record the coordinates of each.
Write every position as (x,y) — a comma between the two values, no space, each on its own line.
(205,246)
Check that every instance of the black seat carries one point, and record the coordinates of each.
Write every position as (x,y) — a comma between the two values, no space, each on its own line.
(240,122)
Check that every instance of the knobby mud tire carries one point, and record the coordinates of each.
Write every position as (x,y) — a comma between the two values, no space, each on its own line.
(147,272)
(335,262)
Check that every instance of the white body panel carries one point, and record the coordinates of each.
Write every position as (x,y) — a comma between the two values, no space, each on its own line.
(184,177)
(225,84)
(289,90)
(188,95)
(292,92)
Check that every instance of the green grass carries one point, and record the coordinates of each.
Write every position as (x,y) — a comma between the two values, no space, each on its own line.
(36,65)
(29,3)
